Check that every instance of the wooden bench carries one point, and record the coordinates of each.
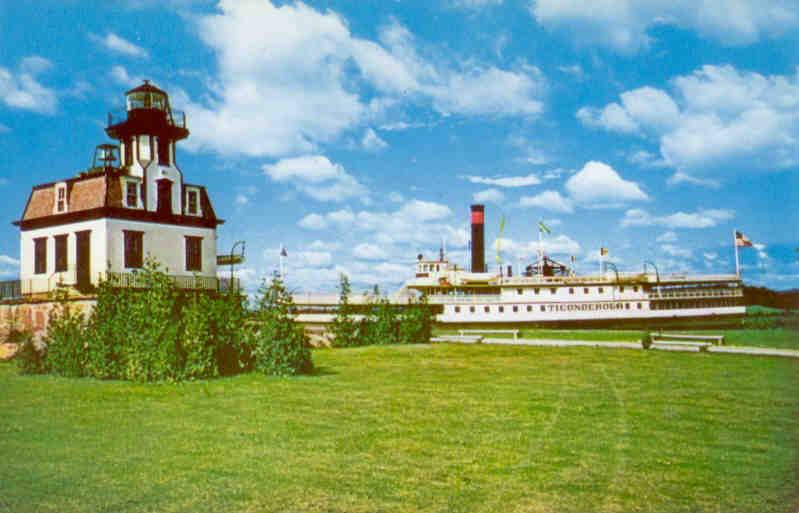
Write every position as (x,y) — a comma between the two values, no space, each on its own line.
(680,337)
(515,333)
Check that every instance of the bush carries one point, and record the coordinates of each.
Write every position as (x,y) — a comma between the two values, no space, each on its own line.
(646,340)
(381,324)
(65,341)
(416,322)
(345,330)
(278,345)
(30,358)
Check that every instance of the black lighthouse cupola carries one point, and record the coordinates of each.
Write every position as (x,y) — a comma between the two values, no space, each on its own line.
(148,130)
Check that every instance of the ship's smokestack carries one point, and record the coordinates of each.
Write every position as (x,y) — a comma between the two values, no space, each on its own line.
(478,238)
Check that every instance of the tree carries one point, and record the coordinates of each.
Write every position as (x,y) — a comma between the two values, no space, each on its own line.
(345,331)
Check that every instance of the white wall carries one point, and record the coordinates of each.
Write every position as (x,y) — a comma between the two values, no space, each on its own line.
(156,172)
(99,255)
(164,242)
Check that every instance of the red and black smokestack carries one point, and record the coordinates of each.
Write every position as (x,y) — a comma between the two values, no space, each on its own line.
(478,239)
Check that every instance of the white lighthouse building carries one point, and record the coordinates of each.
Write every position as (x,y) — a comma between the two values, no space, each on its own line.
(104,222)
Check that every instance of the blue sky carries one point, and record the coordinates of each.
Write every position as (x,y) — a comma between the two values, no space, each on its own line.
(358,133)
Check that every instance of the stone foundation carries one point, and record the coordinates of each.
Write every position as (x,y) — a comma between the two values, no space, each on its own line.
(34,316)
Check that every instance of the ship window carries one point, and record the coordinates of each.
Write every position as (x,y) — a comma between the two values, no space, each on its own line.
(626,306)
(542,308)
(519,291)
(571,290)
(437,268)
(529,308)
(536,290)
(601,290)
(553,290)
(487,309)
(585,290)
(635,289)
(457,309)
(515,308)
(471,309)
(639,306)
(501,309)
(621,289)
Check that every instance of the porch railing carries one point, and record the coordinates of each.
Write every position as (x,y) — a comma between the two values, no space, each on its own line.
(11,289)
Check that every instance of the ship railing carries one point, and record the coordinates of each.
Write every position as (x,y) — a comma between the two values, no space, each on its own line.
(460,299)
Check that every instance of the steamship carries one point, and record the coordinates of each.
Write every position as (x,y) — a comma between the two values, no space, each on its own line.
(548,292)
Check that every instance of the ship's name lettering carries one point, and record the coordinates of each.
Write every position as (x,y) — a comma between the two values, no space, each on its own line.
(586,307)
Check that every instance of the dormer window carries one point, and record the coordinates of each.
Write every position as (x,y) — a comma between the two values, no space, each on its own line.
(131,193)
(193,202)
(61,198)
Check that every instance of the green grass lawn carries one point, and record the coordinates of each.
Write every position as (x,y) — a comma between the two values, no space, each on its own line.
(445,428)
(783,338)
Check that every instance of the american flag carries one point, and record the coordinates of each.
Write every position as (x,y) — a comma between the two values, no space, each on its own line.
(742,241)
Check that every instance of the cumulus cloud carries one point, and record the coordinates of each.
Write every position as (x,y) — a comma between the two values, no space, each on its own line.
(714,120)
(366,251)
(291,78)
(120,75)
(549,200)
(22,90)
(489,196)
(668,236)
(318,177)
(558,245)
(505,181)
(599,185)
(120,45)
(706,218)
(372,142)
(622,25)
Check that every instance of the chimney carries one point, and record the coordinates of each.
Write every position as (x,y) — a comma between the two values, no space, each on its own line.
(478,238)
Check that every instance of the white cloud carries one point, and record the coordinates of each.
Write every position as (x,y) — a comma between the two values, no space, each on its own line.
(120,75)
(241,199)
(21,90)
(646,159)
(366,251)
(706,218)
(599,185)
(558,245)
(395,197)
(120,45)
(622,25)
(574,70)
(9,261)
(291,78)
(717,119)
(676,251)
(505,181)
(372,142)
(549,200)
(489,196)
(313,258)
(318,177)
(668,236)
(313,222)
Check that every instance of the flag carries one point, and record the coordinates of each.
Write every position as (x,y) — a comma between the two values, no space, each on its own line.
(283,251)
(742,241)
(574,259)
(543,228)
(603,251)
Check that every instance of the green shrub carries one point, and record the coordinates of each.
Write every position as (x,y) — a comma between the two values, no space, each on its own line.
(197,341)
(278,345)
(381,324)
(416,322)
(646,340)
(66,340)
(30,358)
(345,330)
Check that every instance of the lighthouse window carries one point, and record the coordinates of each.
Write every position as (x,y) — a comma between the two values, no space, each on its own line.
(194,253)
(131,194)
(193,202)
(40,255)
(128,145)
(134,249)
(60,253)
(61,199)
(163,151)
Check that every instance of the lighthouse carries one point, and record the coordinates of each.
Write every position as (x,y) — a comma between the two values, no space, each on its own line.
(103,222)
